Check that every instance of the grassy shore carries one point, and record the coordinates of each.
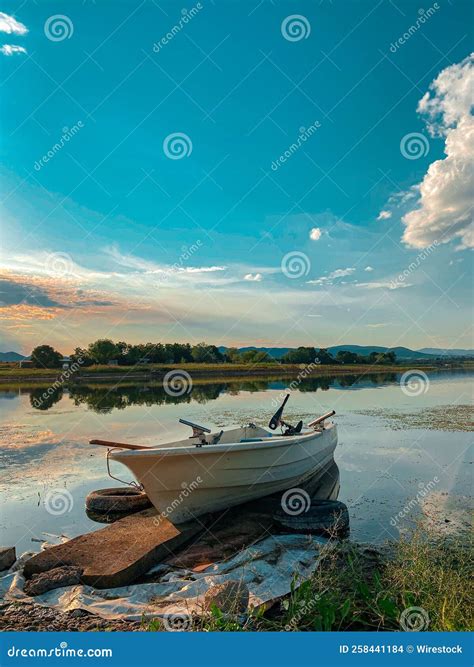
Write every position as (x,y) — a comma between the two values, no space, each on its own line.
(422,582)
(224,371)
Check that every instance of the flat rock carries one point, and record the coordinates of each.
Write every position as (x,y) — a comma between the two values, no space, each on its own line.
(7,557)
(229,597)
(321,517)
(119,553)
(56,578)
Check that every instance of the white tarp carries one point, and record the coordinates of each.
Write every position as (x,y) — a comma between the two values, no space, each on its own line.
(267,568)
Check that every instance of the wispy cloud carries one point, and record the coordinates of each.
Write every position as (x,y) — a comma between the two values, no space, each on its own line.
(334,275)
(368,269)
(383,285)
(255,277)
(384,215)
(11,49)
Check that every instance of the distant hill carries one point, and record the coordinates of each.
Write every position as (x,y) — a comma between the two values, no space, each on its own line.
(447,352)
(365,350)
(11,356)
(275,352)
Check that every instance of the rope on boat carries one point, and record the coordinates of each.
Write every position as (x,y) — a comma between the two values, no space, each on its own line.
(133,484)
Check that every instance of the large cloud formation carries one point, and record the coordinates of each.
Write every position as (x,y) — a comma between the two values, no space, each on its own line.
(444,209)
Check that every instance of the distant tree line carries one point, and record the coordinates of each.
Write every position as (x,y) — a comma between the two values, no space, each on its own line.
(105,351)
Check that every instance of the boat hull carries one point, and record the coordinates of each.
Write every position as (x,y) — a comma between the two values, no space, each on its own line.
(184,483)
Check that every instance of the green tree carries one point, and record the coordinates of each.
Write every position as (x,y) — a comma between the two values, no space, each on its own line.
(346,357)
(324,356)
(202,353)
(302,355)
(255,357)
(45,356)
(103,350)
(81,355)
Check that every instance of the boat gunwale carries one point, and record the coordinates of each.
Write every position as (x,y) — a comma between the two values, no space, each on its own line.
(209,448)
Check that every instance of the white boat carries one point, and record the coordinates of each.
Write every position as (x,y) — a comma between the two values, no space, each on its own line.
(209,471)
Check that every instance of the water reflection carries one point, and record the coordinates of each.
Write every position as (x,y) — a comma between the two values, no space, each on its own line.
(104,398)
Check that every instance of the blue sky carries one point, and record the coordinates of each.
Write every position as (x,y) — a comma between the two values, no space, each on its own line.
(110,236)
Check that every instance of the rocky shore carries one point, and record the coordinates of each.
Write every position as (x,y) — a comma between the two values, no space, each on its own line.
(26,617)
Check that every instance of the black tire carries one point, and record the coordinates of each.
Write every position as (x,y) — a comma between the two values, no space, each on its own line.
(117,500)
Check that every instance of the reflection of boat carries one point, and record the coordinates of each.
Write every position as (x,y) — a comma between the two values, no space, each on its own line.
(213,471)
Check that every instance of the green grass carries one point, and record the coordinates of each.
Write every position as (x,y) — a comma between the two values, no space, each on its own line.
(361,589)
(11,371)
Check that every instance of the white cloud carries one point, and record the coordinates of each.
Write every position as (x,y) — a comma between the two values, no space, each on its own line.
(11,26)
(377,325)
(10,49)
(328,280)
(255,277)
(383,285)
(384,215)
(315,234)
(444,206)
(368,268)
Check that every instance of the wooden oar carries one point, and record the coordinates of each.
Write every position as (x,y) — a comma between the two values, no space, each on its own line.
(122,445)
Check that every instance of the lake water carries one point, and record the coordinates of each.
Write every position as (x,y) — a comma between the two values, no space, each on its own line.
(399,451)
